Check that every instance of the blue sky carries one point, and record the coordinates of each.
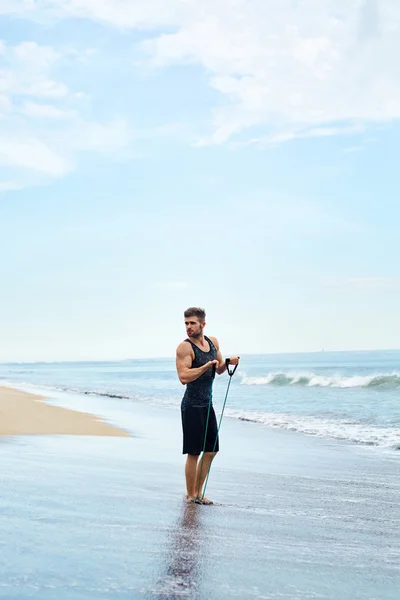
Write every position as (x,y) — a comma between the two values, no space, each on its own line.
(156,155)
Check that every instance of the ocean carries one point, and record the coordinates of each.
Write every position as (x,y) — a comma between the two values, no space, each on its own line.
(353,396)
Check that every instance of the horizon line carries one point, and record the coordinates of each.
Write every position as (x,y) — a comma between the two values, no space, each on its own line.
(107,360)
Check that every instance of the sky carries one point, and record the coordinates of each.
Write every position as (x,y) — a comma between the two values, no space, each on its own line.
(238,155)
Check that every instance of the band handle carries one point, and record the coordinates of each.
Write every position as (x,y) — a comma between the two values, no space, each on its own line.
(231,372)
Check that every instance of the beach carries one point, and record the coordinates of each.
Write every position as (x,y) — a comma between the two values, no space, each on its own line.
(29,414)
(295,517)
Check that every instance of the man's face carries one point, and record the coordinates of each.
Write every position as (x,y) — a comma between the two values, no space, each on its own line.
(194,327)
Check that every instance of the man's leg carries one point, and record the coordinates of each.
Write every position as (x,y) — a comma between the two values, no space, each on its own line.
(190,473)
(202,471)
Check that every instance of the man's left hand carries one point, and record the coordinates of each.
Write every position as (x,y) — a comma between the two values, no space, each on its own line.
(234,360)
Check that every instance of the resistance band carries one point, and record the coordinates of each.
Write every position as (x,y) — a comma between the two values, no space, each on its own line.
(230,373)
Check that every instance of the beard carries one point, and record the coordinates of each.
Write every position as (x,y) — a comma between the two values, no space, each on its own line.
(196,334)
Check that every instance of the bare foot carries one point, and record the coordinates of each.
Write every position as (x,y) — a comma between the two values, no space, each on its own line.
(206,501)
(191,499)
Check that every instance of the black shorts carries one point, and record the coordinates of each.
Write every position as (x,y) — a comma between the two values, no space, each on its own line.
(194,419)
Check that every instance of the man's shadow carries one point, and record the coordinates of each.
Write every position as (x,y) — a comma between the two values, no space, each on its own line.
(183,564)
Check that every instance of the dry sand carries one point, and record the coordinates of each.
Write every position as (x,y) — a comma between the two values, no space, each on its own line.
(26,414)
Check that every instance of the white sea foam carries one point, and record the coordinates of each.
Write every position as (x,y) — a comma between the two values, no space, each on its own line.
(382,380)
(340,429)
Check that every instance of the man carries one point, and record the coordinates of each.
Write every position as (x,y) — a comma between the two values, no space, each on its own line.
(198,358)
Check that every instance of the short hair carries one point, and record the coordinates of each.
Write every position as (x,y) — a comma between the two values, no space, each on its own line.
(194,311)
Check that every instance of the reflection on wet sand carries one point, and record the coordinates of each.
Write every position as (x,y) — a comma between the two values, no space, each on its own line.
(183,567)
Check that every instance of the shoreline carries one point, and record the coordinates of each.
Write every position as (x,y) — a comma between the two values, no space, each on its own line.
(23,413)
(91,405)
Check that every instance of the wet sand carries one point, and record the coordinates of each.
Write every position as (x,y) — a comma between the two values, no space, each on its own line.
(296,518)
(28,414)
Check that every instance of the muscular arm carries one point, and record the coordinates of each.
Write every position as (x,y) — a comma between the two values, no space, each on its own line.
(184,362)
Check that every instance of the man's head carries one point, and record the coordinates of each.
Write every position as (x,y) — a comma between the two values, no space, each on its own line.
(195,321)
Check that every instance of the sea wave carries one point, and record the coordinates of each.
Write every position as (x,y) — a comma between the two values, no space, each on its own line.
(71,390)
(360,432)
(357,432)
(381,380)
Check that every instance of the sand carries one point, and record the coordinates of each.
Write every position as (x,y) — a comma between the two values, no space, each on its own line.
(28,414)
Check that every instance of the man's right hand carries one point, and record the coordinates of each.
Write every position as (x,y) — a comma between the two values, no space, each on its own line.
(212,363)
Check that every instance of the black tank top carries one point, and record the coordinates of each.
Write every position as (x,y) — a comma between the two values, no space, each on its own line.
(199,391)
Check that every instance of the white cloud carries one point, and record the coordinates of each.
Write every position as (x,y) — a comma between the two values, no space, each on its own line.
(119,13)
(26,71)
(10,186)
(46,111)
(38,58)
(31,153)
(291,134)
(42,125)
(294,68)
